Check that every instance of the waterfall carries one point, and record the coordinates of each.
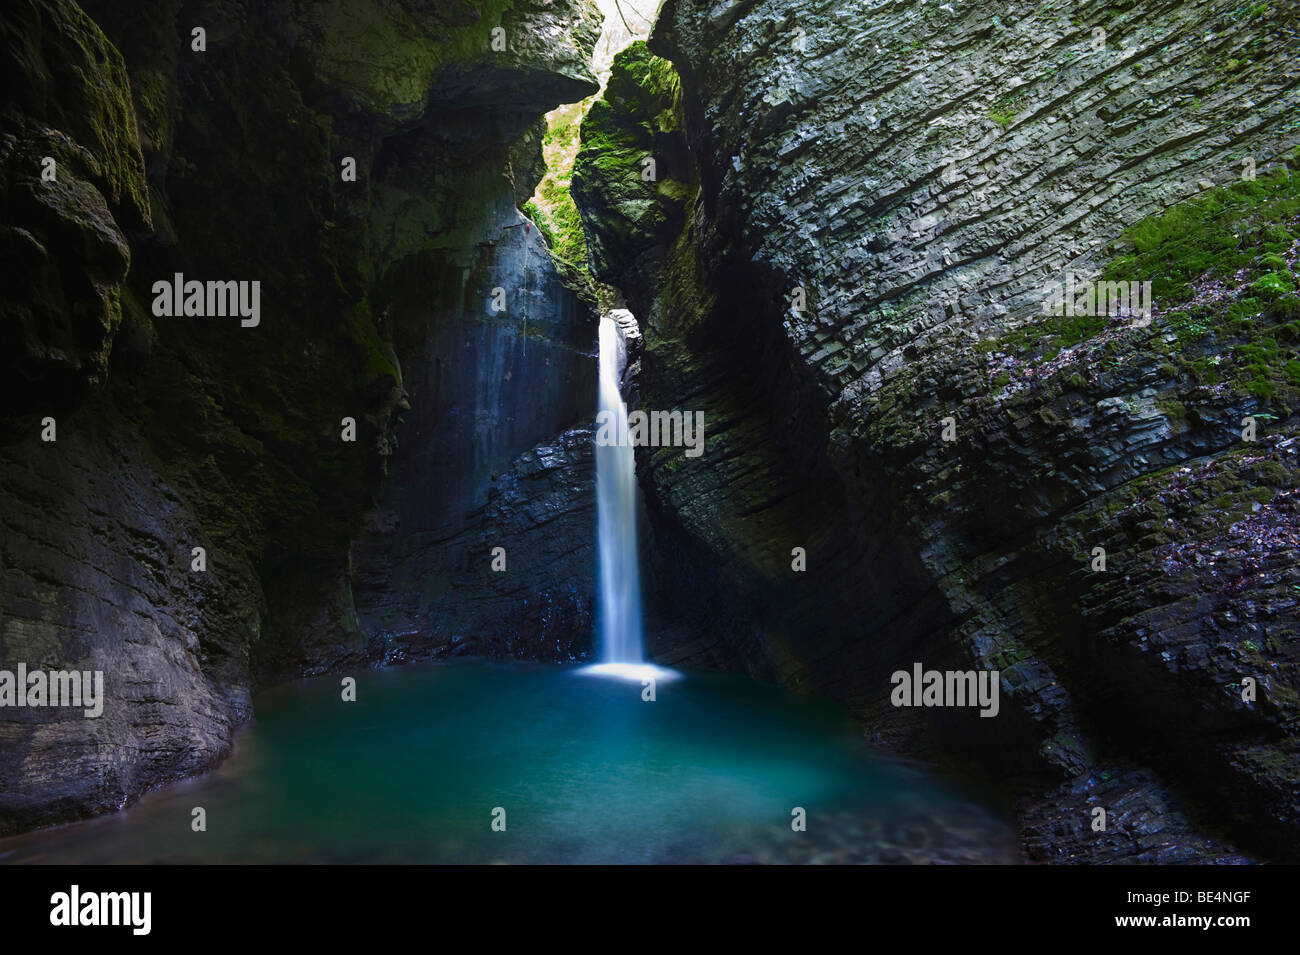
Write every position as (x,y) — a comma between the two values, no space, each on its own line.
(619,607)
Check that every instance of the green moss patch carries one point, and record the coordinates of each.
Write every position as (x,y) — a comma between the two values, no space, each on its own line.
(552,206)
(1248,225)
(1224,285)
(638,118)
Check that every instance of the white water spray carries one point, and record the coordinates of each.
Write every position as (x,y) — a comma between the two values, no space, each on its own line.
(619,609)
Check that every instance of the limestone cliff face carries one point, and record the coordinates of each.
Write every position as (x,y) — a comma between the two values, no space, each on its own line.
(887,194)
(175,433)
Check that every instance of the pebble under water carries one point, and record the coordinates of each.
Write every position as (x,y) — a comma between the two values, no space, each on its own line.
(586,771)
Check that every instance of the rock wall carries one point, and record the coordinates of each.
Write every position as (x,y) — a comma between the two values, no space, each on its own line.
(491,391)
(226,163)
(886,194)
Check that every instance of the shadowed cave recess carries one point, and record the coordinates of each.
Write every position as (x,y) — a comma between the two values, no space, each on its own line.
(829,230)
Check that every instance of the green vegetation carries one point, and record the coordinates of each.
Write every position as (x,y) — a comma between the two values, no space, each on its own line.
(552,206)
(389,61)
(106,127)
(637,120)
(1004,111)
(1224,281)
(1008,657)
(1241,236)
(1180,506)
(599,145)
(1214,235)
(1048,337)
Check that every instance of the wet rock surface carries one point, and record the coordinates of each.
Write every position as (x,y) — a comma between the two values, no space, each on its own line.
(922,174)
(177,432)
(539,605)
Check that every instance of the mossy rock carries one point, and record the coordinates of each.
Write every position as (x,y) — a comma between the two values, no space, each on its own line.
(63,70)
(1223,274)
(633,175)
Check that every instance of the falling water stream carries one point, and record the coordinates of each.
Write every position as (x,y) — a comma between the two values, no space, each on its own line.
(619,607)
